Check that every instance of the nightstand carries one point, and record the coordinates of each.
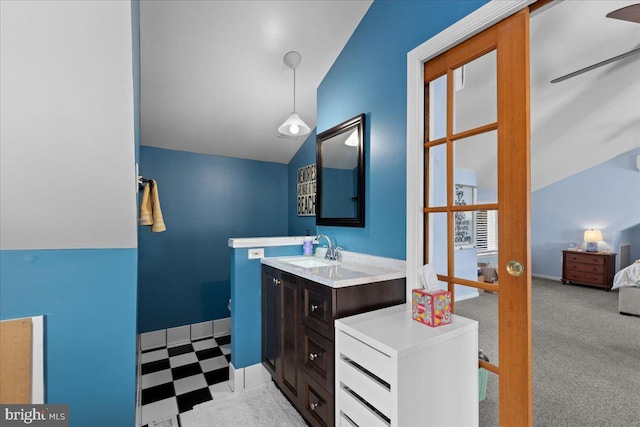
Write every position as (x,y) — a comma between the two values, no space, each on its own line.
(589,268)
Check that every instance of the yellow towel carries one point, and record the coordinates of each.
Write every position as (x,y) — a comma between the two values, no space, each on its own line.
(146,217)
(150,212)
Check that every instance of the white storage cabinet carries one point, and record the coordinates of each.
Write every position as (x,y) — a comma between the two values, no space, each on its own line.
(394,371)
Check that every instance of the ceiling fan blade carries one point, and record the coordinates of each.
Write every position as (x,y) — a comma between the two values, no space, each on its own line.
(628,13)
(594,66)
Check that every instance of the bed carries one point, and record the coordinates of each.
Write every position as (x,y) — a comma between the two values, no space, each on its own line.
(627,281)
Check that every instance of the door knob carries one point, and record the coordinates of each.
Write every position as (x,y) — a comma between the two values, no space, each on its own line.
(514,268)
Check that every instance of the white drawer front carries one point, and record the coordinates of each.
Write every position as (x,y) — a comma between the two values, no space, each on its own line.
(375,393)
(346,422)
(369,358)
(358,412)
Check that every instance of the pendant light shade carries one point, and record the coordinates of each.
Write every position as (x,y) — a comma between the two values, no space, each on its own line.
(293,126)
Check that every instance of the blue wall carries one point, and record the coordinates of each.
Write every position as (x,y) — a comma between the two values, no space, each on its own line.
(604,197)
(305,156)
(246,303)
(184,272)
(370,76)
(89,302)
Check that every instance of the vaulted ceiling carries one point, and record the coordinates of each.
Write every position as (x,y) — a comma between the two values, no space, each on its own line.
(213,80)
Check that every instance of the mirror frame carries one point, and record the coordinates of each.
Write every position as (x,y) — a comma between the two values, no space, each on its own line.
(358,221)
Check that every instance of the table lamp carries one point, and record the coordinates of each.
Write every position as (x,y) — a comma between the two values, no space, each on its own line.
(592,237)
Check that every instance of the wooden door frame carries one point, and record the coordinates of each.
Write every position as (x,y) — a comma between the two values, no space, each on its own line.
(474,23)
(519,375)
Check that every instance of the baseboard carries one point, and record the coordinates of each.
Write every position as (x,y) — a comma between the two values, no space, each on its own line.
(249,376)
(467,296)
(185,334)
(544,276)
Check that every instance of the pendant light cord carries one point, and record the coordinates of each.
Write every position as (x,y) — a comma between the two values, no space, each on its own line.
(294,90)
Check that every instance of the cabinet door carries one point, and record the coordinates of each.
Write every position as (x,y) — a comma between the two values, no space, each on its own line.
(289,331)
(271,285)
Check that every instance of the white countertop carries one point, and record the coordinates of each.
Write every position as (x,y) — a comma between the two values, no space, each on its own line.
(393,331)
(354,269)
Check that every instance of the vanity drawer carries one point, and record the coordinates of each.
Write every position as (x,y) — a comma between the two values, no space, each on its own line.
(317,403)
(317,308)
(317,358)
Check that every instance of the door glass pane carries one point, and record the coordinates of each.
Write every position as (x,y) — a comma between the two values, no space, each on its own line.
(437,123)
(483,307)
(476,245)
(436,238)
(476,169)
(489,405)
(436,187)
(475,93)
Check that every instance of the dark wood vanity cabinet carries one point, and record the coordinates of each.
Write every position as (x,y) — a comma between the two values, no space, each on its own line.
(298,334)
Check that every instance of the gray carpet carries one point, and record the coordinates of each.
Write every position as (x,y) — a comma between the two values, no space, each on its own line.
(586,356)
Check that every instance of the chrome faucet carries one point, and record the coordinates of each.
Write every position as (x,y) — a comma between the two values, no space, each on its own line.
(333,253)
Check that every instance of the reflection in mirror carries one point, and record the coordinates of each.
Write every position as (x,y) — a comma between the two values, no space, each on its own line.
(340,174)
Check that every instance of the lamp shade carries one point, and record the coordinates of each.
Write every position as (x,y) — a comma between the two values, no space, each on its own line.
(294,126)
(592,236)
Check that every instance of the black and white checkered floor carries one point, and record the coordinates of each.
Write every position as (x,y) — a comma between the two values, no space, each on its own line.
(174,379)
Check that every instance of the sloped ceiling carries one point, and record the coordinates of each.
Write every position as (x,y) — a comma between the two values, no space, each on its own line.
(590,118)
(213,79)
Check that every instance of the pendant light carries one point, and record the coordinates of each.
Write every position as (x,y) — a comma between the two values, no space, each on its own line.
(293,126)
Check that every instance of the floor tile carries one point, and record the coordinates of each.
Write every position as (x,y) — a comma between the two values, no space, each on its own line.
(209,353)
(220,390)
(188,400)
(181,349)
(183,359)
(188,384)
(152,356)
(223,340)
(186,371)
(187,419)
(159,410)
(213,363)
(157,393)
(204,344)
(217,376)
(156,378)
(158,365)
(228,356)
(225,348)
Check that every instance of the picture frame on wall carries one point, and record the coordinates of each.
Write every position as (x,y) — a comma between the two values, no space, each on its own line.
(464,227)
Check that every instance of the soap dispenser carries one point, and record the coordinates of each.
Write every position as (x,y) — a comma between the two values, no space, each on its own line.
(307,246)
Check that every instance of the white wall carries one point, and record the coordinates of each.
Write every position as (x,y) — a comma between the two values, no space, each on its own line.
(66,139)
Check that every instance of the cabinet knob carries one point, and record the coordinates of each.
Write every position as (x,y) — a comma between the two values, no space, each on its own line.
(313,406)
(312,356)
(276,281)
(313,307)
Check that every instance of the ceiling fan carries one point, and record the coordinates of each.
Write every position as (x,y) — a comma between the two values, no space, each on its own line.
(627,13)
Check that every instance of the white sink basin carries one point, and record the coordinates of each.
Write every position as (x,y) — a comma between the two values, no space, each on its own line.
(310,262)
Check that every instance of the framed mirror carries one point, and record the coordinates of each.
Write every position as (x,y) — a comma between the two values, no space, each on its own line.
(340,174)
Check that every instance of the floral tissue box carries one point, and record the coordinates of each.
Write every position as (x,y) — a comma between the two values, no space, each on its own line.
(433,309)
